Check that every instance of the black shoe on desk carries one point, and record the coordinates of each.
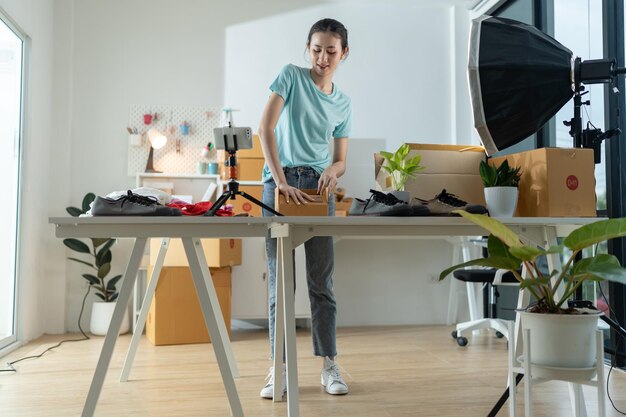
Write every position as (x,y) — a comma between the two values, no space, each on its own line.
(131,205)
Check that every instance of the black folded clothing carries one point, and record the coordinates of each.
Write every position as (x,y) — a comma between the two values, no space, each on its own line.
(131,205)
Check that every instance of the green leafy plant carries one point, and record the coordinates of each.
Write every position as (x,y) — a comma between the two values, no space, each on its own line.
(499,176)
(399,167)
(99,257)
(506,251)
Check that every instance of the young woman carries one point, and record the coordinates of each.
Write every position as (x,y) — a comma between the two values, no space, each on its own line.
(304,113)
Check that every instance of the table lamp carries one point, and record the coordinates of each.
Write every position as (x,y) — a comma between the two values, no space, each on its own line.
(157,141)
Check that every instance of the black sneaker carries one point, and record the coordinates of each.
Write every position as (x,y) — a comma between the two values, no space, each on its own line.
(131,205)
(444,203)
(380,204)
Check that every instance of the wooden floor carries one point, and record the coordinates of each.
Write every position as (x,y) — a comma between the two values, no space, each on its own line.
(391,371)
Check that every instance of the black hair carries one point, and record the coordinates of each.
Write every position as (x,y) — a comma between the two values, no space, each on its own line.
(330,25)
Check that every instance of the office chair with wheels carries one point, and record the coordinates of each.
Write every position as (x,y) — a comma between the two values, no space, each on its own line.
(492,278)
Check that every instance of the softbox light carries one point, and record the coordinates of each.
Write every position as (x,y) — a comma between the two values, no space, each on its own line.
(519,77)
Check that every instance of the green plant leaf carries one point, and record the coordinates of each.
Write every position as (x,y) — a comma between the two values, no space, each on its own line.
(529,253)
(76,245)
(113,297)
(81,261)
(74,211)
(92,279)
(112,282)
(105,248)
(535,282)
(493,226)
(104,257)
(100,296)
(87,200)
(98,241)
(104,270)
(593,233)
(488,174)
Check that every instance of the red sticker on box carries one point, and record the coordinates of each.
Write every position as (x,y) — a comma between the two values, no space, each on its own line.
(246,207)
(571,182)
(231,243)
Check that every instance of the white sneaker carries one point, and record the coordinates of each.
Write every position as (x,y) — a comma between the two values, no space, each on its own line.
(268,389)
(331,378)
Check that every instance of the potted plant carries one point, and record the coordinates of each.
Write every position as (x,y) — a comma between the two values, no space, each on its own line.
(563,337)
(501,191)
(401,168)
(97,256)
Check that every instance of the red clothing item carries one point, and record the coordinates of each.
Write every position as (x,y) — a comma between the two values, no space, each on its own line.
(200,208)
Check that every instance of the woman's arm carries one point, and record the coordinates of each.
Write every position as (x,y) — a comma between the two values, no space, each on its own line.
(329,177)
(270,149)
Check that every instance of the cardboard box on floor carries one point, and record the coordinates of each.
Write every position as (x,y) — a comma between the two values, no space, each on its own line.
(555,182)
(175,316)
(454,168)
(317,207)
(218,252)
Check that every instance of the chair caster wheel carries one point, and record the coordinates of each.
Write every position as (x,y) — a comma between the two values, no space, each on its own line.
(454,334)
(462,341)
(499,335)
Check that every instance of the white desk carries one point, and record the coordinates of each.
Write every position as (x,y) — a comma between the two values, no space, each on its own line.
(291,232)
(190,229)
(294,231)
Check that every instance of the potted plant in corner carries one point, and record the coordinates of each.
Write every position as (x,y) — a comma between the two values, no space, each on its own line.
(98,257)
(563,337)
(501,191)
(401,168)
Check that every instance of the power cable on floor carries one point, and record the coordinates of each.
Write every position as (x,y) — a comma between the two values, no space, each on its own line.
(11,368)
(613,361)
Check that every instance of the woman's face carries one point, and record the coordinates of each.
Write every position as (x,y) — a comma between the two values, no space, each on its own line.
(325,52)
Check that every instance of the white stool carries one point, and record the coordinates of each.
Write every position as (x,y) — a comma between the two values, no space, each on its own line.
(536,374)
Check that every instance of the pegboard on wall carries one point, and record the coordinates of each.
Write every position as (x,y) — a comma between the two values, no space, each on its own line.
(172,158)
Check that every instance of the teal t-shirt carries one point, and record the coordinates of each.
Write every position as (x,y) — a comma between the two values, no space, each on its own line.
(308,121)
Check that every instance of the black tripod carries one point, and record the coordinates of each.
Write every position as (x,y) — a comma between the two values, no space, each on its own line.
(233,186)
(577,304)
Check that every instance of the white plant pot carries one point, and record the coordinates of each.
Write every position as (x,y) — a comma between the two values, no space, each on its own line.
(101,314)
(561,340)
(501,201)
(402,196)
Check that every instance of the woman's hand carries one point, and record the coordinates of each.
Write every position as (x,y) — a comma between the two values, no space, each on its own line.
(327,180)
(292,193)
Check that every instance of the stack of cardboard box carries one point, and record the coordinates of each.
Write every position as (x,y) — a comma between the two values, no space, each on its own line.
(249,168)
(175,316)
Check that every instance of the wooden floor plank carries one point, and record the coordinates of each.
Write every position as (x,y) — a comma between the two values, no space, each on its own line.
(392,372)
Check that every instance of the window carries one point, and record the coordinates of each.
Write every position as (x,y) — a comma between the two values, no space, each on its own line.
(11,71)
(578,26)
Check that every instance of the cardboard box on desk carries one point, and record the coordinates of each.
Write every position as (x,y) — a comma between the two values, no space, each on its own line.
(555,182)
(454,168)
(175,316)
(317,207)
(218,252)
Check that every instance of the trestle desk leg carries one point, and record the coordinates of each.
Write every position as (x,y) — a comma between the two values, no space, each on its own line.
(279,325)
(145,308)
(114,327)
(293,397)
(212,318)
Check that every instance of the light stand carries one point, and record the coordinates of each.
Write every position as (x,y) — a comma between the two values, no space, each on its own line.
(591,72)
(233,186)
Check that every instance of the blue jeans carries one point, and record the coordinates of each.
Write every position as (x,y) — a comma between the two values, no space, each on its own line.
(319,269)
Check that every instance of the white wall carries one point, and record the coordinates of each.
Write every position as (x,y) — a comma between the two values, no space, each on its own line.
(41,289)
(92,59)
(399,71)
(401,76)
